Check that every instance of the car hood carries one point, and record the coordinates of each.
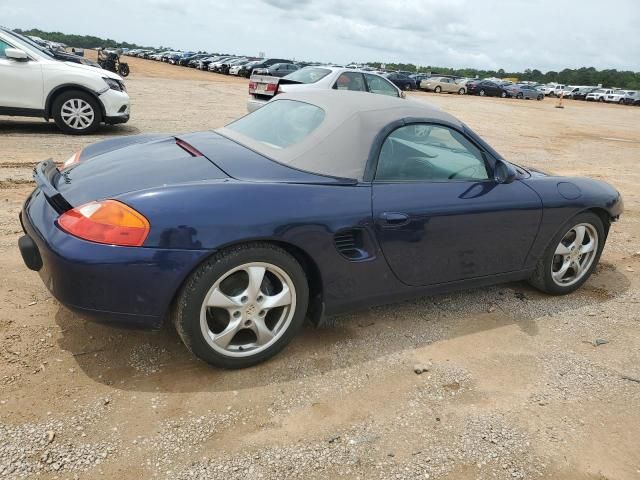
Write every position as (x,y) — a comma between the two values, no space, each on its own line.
(100,71)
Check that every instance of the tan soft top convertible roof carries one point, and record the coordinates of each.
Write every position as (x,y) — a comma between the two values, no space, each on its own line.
(340,145)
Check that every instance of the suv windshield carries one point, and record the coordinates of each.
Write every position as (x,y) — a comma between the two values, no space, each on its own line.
(280,124)
(308,74)
(30,43)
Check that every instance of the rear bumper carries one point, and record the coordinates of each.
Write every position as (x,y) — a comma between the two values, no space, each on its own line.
(115,284)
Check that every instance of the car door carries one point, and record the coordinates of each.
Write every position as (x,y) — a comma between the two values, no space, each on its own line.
(447,85)
(22,83)
(440,216)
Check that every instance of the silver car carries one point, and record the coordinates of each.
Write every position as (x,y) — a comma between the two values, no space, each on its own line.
(262,89)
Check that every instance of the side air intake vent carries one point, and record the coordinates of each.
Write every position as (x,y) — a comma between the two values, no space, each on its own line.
(350,244)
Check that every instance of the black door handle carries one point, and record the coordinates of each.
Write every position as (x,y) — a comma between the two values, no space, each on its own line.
(394,219)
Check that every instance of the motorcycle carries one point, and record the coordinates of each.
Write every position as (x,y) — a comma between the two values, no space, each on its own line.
(111,61)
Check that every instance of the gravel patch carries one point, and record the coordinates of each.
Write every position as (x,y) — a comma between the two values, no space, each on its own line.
(54,445)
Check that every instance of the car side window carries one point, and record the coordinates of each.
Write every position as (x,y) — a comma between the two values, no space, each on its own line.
(3,47)
(430,153)
(350,81)
(380,86)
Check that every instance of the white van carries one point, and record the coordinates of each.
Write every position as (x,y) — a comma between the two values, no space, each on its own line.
(77,97)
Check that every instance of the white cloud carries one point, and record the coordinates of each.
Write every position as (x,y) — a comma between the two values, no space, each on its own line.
(512,35)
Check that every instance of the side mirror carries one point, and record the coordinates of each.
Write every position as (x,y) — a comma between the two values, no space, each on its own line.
(505,172)
(16,54)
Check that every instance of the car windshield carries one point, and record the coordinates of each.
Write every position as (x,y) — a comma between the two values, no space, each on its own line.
(280,124)
(308,74)
(30,43)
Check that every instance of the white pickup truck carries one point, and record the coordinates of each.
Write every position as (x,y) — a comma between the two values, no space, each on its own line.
(553,89)
(598,95)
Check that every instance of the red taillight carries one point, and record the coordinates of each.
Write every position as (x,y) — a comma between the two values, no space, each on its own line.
(252,86)
(271,87)
(109,222)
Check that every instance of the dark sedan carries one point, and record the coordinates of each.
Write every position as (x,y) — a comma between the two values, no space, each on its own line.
(402,81)
(316,204)
(486,88)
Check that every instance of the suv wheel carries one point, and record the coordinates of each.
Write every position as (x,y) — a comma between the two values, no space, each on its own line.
(76,112)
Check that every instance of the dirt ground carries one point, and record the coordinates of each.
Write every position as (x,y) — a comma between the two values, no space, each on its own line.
(518,384)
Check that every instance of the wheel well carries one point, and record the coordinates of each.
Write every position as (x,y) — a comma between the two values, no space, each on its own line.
(605,217)
(315,309)
(67,88)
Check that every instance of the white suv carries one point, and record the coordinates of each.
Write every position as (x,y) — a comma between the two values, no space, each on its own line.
(77,97)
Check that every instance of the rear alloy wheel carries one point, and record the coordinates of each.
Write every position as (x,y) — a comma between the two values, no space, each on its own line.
(519,96)
(461,91)
(407,87)
(437,90)
(76,112)
(482,93)
(572,256)
(242,306)
(539,97)
(503,94)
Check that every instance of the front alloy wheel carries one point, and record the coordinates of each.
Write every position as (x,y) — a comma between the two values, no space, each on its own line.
(574,254)
(571,256)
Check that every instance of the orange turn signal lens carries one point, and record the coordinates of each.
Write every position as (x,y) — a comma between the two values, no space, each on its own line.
(108,221)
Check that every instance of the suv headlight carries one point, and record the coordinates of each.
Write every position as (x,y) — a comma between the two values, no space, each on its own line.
(115,84)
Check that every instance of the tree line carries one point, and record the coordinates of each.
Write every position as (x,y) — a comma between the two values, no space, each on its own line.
(568,76)
(80,41)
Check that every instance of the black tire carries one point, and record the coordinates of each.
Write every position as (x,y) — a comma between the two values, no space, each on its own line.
(406,87)
(519,95)
(503,94)
(539,97)
(123,71)
(461,91)
(542,279)
(621,101)
(186,310)
(70,95)
(437,89)
(601,99)
(482,93)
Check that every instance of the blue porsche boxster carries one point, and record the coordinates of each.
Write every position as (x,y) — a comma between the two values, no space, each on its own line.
(316,204)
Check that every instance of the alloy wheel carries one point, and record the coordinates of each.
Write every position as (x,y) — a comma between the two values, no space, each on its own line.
(248,309)
(77,113)
(574,255)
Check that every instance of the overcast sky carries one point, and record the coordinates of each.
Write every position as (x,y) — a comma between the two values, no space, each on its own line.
(509,34)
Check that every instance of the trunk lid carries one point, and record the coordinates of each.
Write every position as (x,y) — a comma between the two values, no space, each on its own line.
(162,161)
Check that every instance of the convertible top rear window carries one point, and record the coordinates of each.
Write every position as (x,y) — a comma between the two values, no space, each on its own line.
(280,124)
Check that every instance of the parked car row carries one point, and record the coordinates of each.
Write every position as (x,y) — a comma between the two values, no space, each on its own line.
(243,66)
(526,90)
